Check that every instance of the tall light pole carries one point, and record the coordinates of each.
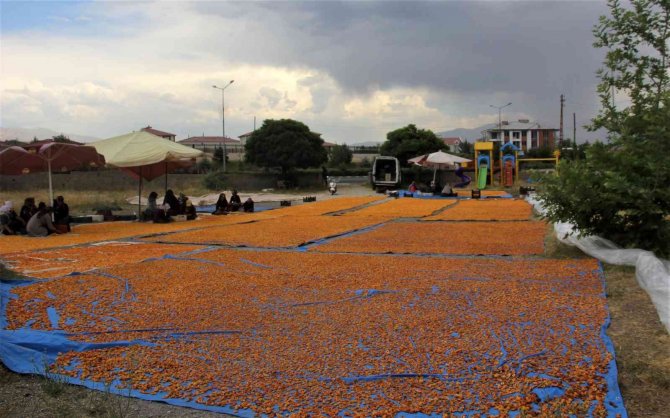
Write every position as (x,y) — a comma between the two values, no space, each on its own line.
(223,119)
(500,108)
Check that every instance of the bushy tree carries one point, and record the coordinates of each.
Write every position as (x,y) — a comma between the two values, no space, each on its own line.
(340,155)
(621,189)
(466,148)
(287,144)
(61,138)
(409,142)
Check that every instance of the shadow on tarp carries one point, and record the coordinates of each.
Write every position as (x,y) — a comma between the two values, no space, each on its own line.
(461,196)
(31,351)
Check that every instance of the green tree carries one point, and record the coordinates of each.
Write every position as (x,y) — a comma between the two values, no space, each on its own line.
(409,142)
(61,138)
(466,148)
(620,190)
(340,155)
(287,144)
(217,158)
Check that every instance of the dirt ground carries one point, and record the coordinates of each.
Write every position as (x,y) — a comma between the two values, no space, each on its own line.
(641,343)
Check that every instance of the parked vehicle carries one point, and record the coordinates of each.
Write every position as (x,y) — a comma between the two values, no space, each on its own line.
(385,174)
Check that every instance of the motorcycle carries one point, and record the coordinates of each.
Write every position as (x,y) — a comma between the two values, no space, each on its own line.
(332,186)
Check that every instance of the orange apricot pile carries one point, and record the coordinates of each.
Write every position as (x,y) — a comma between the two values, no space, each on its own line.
(62,261)
(403,208)
(486,210)
(502,238)
(286,231)
(288,332)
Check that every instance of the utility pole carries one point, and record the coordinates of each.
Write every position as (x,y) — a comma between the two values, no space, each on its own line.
(560,135)
(574,135)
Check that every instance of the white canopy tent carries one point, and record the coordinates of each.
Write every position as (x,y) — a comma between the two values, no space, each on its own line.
(438,160)
(145,155)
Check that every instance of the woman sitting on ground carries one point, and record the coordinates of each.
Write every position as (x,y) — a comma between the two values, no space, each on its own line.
(171,199)
(61,213)
(40,224)
(447,191)
(154,212)
(248,205)
(189,210)
(10,222)
(28,209)
(235,202)
(221,205)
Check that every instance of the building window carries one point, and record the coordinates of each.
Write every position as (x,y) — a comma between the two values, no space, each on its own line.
(494,135)
(516,135)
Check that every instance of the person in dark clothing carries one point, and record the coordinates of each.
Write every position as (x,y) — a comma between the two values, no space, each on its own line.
(235,202)
(61,212)
(221,205)
(248,205)
(28,209)
(154,212)
(189,210)
(171,199)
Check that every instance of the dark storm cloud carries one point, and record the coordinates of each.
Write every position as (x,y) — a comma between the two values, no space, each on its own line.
(465,47)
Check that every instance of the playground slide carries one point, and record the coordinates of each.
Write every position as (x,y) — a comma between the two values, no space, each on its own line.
(483,173)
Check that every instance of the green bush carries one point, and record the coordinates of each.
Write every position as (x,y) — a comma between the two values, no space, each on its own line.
(216,180)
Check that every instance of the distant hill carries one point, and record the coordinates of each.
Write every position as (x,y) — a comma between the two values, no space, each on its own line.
(366,144)
(27,134)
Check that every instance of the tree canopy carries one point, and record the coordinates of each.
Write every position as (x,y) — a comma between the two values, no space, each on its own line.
(285,143)
(340,155)
(620,190)
(409,142)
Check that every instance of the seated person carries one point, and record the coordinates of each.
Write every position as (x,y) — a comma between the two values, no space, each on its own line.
(154,212)
(412,187)
(447,191)
(189,210)
(182,203)
(28,209)
(10,222)
(221,205)
(248,205)
(171,200)
(40,224)
(62,213)
(435,187)
(235,202)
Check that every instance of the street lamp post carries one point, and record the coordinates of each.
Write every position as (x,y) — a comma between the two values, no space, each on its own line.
(223,119)
(500,108)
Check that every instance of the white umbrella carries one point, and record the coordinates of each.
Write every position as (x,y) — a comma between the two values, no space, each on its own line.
(438,160)
(145,155)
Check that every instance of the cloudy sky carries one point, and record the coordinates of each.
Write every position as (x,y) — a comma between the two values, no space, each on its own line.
(350,70)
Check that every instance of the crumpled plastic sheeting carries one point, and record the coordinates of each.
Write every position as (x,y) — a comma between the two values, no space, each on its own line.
(652,273)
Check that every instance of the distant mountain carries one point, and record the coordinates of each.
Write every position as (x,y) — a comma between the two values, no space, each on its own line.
(470,134)
(27,134)
(366,144)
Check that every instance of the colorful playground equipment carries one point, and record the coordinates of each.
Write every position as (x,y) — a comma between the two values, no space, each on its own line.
(482,163)
(509,164)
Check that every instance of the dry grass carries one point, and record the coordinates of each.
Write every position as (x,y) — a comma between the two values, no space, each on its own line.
(641,343)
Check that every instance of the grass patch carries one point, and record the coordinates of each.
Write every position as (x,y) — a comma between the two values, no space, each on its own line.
(641,343)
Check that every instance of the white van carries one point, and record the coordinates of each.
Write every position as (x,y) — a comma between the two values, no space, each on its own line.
(385,173)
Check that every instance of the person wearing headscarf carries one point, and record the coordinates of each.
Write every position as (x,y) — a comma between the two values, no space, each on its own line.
(154,212)
(189,210)
(248,205)
(10,222)
(171,199)
(61,212)
(221,205)
(235,202)
(28,209)
(40,224)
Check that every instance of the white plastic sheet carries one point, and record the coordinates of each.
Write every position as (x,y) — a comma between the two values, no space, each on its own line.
(652,273)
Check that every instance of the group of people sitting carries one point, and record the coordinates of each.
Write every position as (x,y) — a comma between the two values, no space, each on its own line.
(35,220)
(223,206)
(435,188)
(171,206)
